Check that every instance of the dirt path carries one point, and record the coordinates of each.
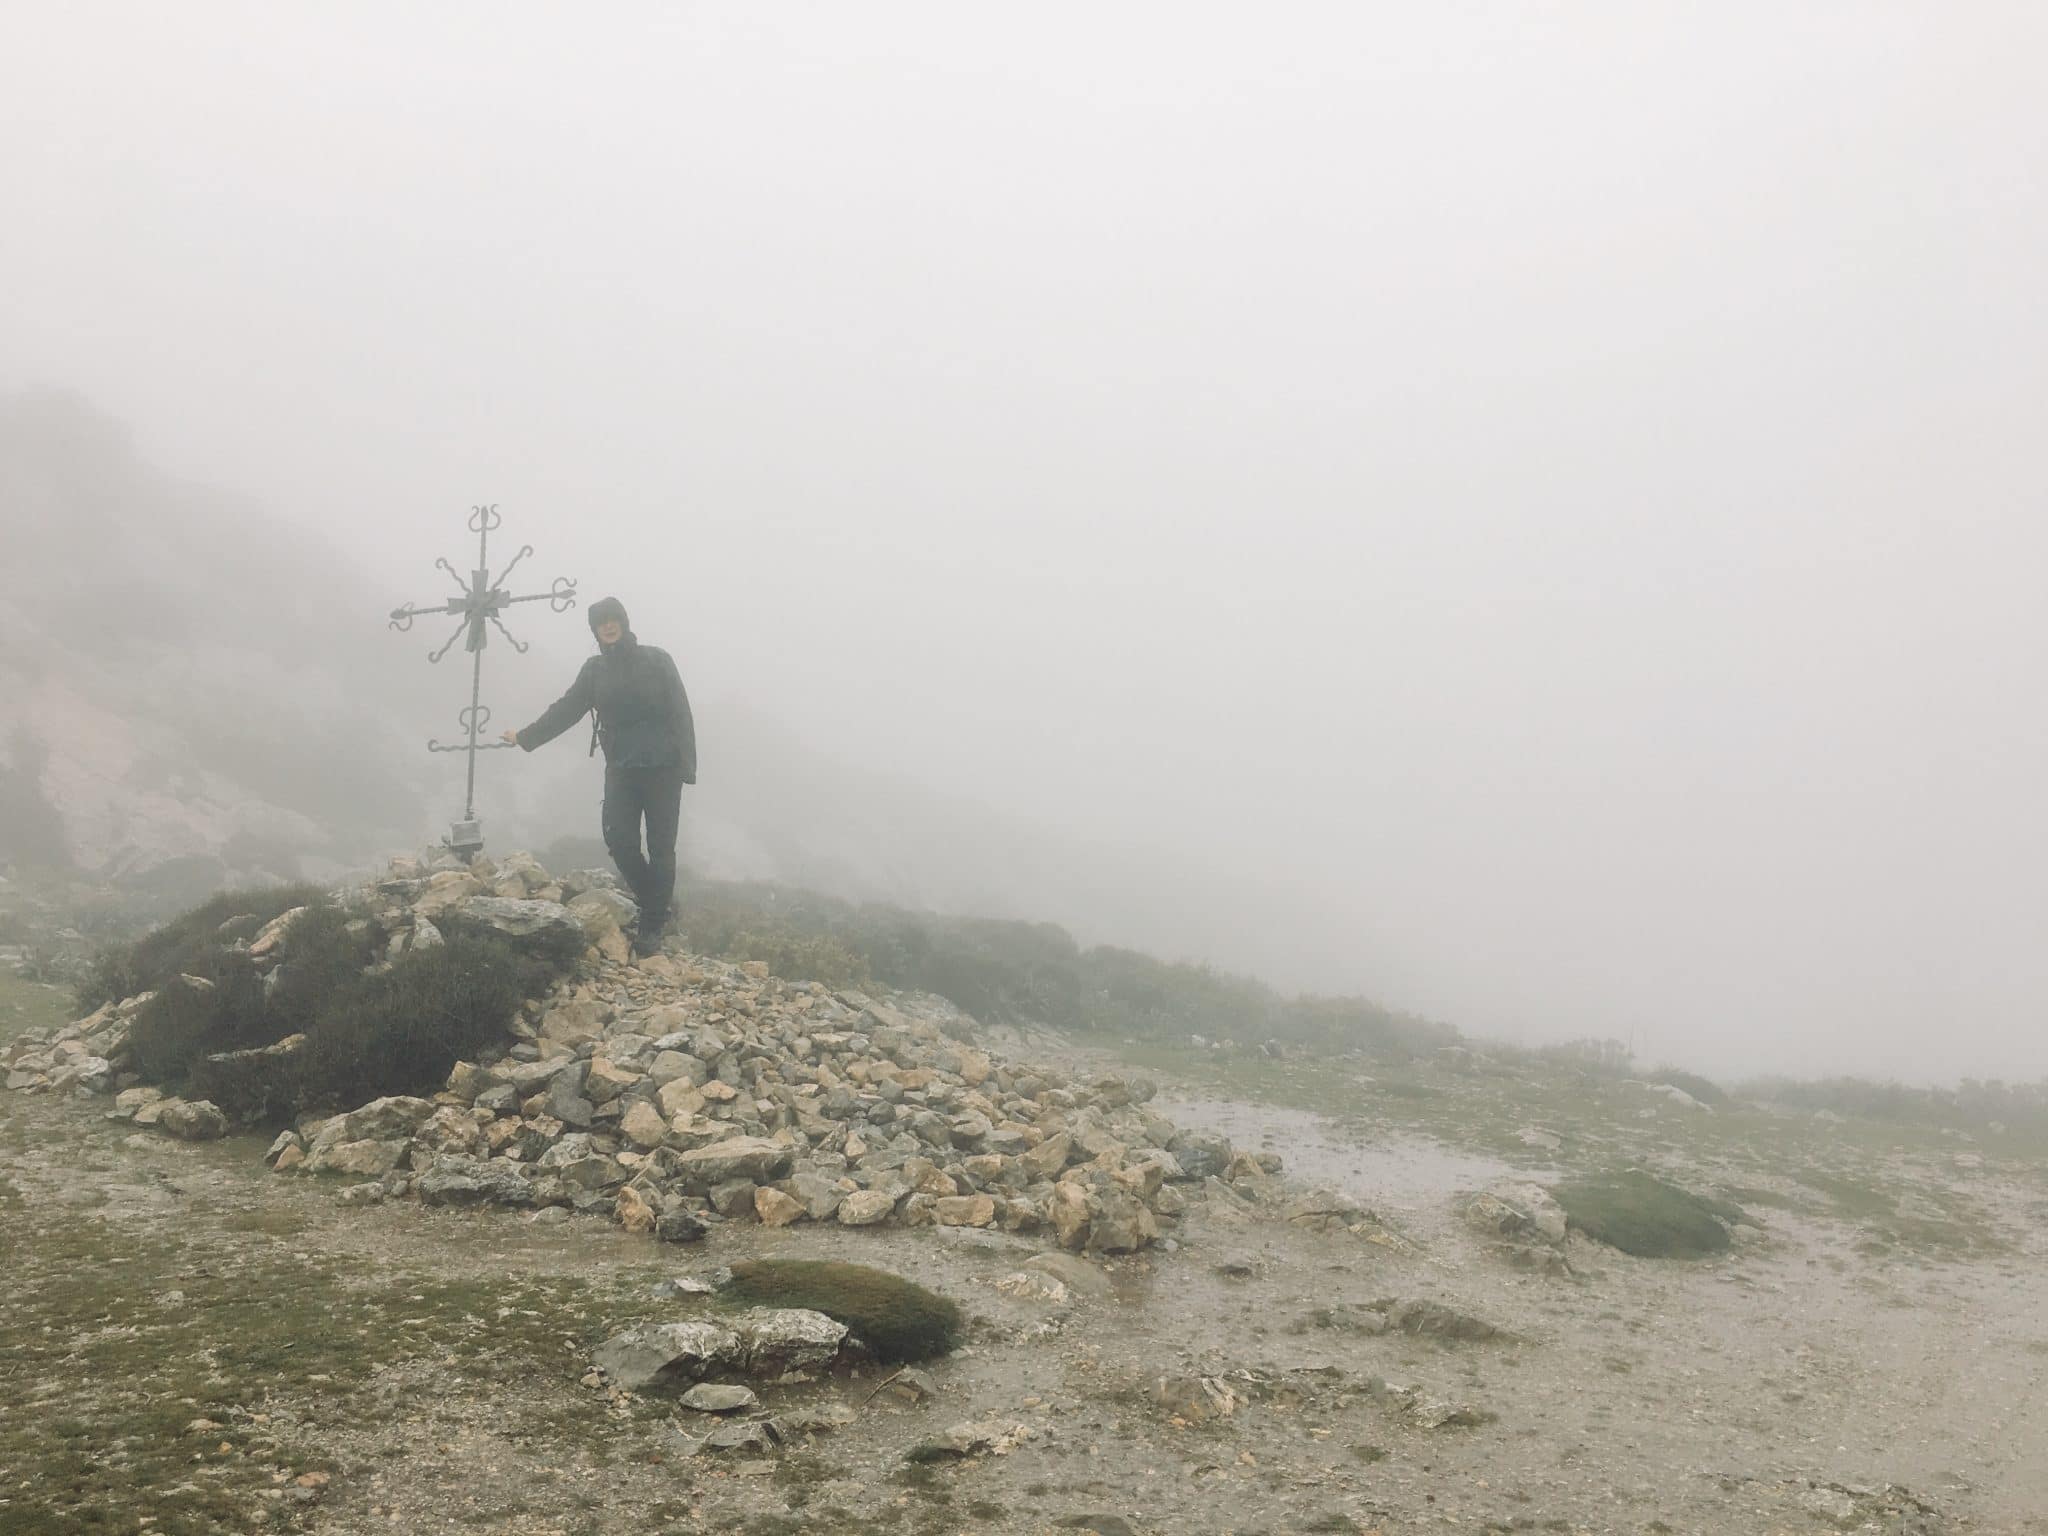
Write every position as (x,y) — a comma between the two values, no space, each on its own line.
(195,1345)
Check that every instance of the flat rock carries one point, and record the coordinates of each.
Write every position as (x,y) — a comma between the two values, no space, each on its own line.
(973,1438)
(1496,1217)
(192,1120)
(777,1340)
(964,1210)
(757,1436)
(1029,1286)
(679,1224)
(468,1181)
(865,1207)
(738,1157)
(1072,1271)
(1194,1399)
(521,919)
(386,1119)
(776,1209)
(1434,1320)
(707,1397)
(643,1124)
(1120,1223)
(912,1385)
(684,1351)
(600,912)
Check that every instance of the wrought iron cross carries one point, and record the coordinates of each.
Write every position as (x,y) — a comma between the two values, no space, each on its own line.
(479,601)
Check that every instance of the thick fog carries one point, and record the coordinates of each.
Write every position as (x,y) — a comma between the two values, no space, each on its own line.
(1538,512)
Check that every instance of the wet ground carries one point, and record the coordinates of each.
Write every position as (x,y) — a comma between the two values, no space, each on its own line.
(1409,1177)
(1875,1357)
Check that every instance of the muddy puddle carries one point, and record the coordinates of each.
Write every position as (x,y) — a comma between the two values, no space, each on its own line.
(1391,1171)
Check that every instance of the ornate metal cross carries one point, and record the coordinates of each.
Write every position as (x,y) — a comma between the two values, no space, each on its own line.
(479,601)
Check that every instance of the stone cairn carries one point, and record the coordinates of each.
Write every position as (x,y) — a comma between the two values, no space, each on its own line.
(677,1091)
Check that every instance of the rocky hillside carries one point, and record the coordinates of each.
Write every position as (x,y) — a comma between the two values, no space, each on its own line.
(181,681)
(677,1091)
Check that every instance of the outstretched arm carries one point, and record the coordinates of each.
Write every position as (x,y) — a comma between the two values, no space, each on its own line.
(563,713)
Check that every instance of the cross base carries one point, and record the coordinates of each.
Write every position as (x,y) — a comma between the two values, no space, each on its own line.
(465,837)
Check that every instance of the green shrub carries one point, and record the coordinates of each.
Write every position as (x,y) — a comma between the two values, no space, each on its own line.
(1642,1215)
(183,1024)
(400,1031)
(1981,1108)
(802,957)
(370,1030)
(189,943)
(1017,972)
(897,1319)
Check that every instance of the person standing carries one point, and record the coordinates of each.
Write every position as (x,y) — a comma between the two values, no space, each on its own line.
(650,753)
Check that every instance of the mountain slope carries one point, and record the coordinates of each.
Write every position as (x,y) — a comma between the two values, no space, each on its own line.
(177,679)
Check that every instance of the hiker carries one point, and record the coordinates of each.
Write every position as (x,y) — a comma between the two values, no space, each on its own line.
(642,719)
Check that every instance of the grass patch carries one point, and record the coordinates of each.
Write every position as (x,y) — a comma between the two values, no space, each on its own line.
(898,1319)
(117,1350)
(187,1341)
(1021,972)
(269,1223)
(1748,1195)
(1910,1217)
(1852,1199)
(1642,1215)
(30,1005)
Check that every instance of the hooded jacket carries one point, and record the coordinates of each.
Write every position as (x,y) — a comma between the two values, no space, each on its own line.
(643,713)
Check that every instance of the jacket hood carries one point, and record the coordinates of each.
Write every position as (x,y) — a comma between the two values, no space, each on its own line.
(610,609)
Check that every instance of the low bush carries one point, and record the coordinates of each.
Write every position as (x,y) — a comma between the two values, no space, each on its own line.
(185,1021)
(801,957)
(1017,972)
(399,1031)
(189,943)
(210,998)
(1980,1108)
(898,1319)
(369,1029)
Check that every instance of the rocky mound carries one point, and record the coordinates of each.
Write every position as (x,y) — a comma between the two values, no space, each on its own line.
(676,1091)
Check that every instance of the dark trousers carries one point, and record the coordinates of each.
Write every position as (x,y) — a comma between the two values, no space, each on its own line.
(655,795)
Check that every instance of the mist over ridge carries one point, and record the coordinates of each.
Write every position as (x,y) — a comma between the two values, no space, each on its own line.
(1542,530)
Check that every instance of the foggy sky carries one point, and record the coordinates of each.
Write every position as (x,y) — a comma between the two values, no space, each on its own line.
(1560,490)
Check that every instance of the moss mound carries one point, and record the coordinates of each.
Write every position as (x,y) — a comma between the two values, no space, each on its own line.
(1642,1215)
(896,1318)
